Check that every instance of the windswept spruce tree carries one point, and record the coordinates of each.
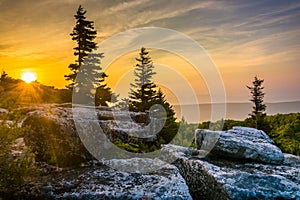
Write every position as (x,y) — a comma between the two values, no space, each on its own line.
(144,94)
(91,81)
(258,113)
(84,34)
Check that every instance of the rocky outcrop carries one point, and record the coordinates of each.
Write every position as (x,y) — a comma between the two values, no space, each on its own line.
(240,143)
(215,178)
(53,134)
(241,163)
(97,181)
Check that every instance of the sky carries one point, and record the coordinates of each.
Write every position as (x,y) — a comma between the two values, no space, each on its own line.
(242,38)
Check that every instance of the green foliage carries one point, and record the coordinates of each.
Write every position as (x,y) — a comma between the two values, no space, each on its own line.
(170,127)
(285,131)
(185,135)
(14,167)
(137,145)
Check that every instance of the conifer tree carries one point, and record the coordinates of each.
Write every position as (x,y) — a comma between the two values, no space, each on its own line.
(258,113)
(143,91)
(170,128)
(144,94)
(91,80)
(84,34)
(90,83)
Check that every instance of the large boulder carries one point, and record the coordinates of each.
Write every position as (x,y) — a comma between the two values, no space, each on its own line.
(216,178)
(239,143)
(57,131)
(52,135)
(97,181)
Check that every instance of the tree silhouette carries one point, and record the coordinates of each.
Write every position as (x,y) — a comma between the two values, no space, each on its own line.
(84,34)
(143,93)
(170,128)
(4,75)
(257,114)
(90,87)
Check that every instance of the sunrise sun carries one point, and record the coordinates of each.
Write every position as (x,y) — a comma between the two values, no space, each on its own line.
(28,77)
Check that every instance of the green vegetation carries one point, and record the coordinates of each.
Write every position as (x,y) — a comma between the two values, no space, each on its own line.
(185,135)
(16,162)
(285,131)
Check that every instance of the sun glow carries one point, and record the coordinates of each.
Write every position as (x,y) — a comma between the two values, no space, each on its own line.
(28,77)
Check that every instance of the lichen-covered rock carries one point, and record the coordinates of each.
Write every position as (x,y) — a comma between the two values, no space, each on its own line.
(240,143)
(202,184)
(97,181)
(52,135)
(58,132)
(215,178)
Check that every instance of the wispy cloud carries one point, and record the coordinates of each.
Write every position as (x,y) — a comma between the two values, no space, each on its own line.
(238,35)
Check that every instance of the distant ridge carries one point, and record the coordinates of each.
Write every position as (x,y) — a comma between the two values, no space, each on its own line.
(237,111)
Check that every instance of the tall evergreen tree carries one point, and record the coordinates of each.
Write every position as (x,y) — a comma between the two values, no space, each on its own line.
(258,113)
(84,34)
(90,83)
(143,91)
(144,94)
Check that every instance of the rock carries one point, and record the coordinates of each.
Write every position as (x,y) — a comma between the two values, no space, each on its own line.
(202,184)
(215,178)
(58,140)
(52,135)
(3,112)
(240,143)
(97,181)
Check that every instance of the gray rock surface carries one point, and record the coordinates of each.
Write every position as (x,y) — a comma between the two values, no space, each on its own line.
(97,181)
(53,133)
(240,143)
(215,178)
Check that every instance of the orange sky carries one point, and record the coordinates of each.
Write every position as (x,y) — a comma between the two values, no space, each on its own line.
(243,39)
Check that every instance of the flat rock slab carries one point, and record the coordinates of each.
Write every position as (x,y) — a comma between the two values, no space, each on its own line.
(239,143)
(256,180)
(99,181)
(215,178)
